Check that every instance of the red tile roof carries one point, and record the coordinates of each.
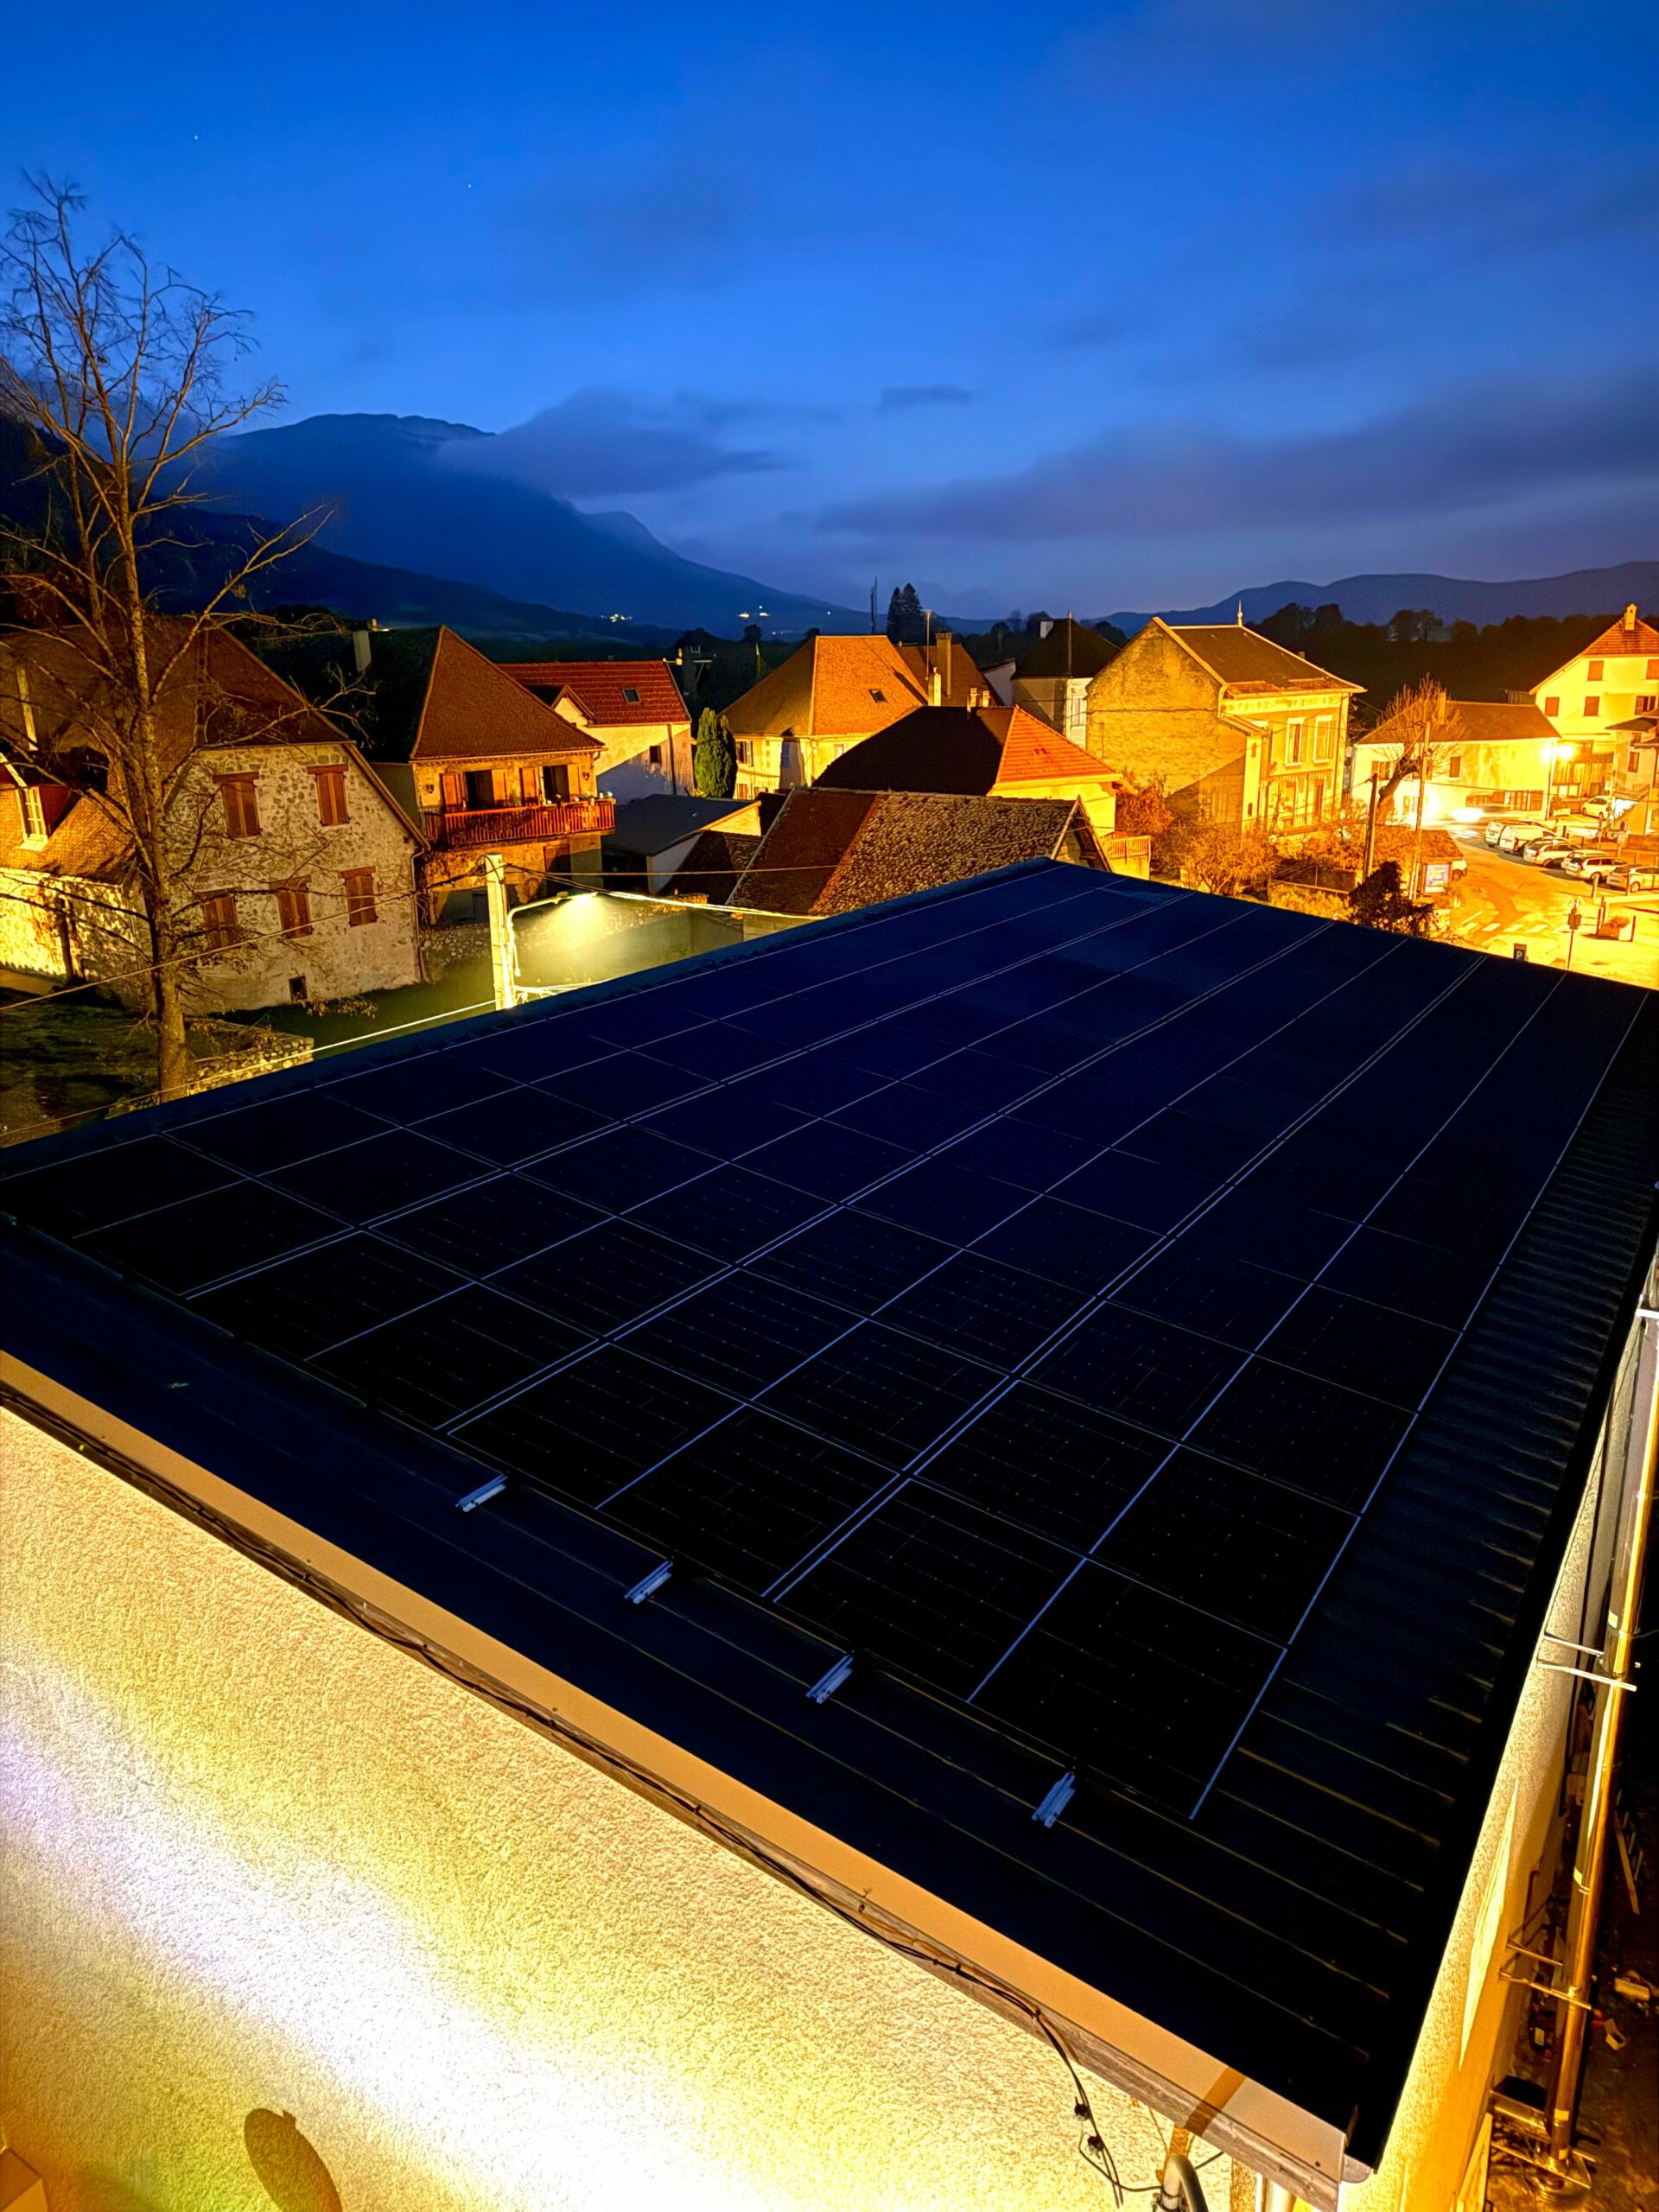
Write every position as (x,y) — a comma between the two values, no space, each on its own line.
(599,689)
(1033,752)
(1639,637)
(474,711)
(832,687)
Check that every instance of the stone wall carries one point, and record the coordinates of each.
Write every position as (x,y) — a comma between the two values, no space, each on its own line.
(1155,716)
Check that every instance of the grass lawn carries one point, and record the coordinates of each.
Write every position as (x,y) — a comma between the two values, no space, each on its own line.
(70,1060)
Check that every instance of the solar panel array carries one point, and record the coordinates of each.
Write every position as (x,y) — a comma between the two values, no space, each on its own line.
(1023,1290)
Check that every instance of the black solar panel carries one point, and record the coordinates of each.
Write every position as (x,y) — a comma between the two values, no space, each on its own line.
(1022,1290)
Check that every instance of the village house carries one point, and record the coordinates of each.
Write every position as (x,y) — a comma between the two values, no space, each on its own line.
(483,764)
(1495,757)
(633,707)
(297,862)
(1237,729)
(832,693)
(1053,676)
(1596,703)
(989,753)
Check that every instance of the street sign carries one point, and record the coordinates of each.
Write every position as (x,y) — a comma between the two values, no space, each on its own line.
(1517,952)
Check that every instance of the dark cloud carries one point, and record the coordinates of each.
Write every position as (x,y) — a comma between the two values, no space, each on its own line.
(1514,208)
(1311,335)
(601,442)
(684,220)
(1472,447)
(905,398)
(1100,329)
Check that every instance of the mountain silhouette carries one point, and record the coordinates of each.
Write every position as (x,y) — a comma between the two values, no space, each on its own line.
(405,490)
(1454,599)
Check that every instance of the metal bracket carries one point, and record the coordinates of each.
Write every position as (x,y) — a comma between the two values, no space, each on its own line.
(1057,1800)
(828,1683)
(485,1491)
(648,1583)
(1586,1674)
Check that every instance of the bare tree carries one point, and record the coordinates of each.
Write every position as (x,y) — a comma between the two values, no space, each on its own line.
(119,375)
(1419,728)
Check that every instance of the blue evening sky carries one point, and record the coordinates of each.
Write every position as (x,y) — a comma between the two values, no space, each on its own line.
(1090,308)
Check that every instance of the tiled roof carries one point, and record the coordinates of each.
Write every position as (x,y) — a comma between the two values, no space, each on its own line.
(711,869)
(832,687)
(1483,721)
(1640,637)
(600,688)
(956,749)
(1070,648)
(474,710)
(829,851)
(1245,660)
(961,680)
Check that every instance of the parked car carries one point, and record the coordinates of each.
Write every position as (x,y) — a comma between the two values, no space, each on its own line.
(1547,852)
(1494,829)
(1518,832)
(1592,861)
(1622,876)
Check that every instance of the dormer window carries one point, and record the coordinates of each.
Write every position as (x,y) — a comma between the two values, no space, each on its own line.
(631,694)
(879,697)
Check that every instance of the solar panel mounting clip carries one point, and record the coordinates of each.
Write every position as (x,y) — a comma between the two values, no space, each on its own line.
(1057,1800)
(828,1683)
(483,1494)
(648,1583)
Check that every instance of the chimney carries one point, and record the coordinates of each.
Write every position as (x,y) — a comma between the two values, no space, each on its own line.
(1630,619)
(361,648)
(935,684)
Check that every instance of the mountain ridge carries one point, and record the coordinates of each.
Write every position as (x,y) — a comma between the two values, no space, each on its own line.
(1376,598)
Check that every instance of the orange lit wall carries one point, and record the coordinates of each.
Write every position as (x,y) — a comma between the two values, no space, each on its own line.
(256,1859)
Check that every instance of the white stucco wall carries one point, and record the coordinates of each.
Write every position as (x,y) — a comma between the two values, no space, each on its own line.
(256,1859)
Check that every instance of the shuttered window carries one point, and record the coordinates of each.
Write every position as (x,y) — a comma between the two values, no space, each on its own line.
(360,895)
(1592,674)
(1591,707)
(292,909)
(241,805)
(1552,708)
(220,925)
(331,795)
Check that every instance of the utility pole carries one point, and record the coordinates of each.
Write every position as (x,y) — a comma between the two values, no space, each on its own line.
(1371,832)
(1613,1680)
(495,888)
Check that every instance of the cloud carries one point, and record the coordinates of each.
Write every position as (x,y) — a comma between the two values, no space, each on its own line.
(1101,327)
(1474,447)
(1303,337)
(601,442)
(905,398)
(1512,209)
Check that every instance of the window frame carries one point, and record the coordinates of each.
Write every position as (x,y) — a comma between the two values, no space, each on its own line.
(358,884)
(329,777)
(239,795)
(1596,672)
(222,928)
(1552,707)
(293,907)
(1592,706)
(1295,729)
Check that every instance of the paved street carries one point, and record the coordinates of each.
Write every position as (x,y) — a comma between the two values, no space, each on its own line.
(1505,901)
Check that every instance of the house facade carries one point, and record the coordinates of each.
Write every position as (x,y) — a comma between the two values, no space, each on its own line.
(832,693)
(1052,676)
(1496,756)
(296,862)
(1236,729)
(632,708)
(1596,703)
(484,765)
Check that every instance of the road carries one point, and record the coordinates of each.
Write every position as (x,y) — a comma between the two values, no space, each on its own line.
(1506,902)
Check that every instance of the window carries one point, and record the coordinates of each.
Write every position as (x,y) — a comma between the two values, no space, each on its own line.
(1647,703)
(1454,766)
(219,923)
(1293,742)
(1322,729)
(296,990)
(481,790)
(1632,761)
(1552,708)
(656,756)
(1591,707)
(360,896)
(880,698)
(292,909)
(556,782)
(1593,673)
(742,790)
(745,754)
(34,812)
(630,695)
(241,805)
(1653,669)
(331,795)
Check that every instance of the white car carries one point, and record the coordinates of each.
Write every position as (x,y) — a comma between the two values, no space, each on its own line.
(1518,832)
(1547,852)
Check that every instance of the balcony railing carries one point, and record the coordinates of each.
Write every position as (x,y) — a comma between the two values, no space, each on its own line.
(521,825)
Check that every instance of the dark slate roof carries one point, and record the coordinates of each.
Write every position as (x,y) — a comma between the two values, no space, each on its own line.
(1246,661)
(828,851)
(710,870)
(1010,1234)
(1070,648)
(653,823)
(935,749)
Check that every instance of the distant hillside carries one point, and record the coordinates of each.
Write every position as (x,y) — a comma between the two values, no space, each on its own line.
(1454,599)
(406,490)
(314,576)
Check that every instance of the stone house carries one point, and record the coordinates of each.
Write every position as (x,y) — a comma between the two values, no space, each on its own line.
(1053,676)
(1236,729)
(633,707)
(297,861)
(832,693)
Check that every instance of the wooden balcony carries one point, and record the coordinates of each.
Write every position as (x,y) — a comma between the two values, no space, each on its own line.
(541,824)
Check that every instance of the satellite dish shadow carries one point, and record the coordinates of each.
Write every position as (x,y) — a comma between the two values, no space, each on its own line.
(289,2170)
